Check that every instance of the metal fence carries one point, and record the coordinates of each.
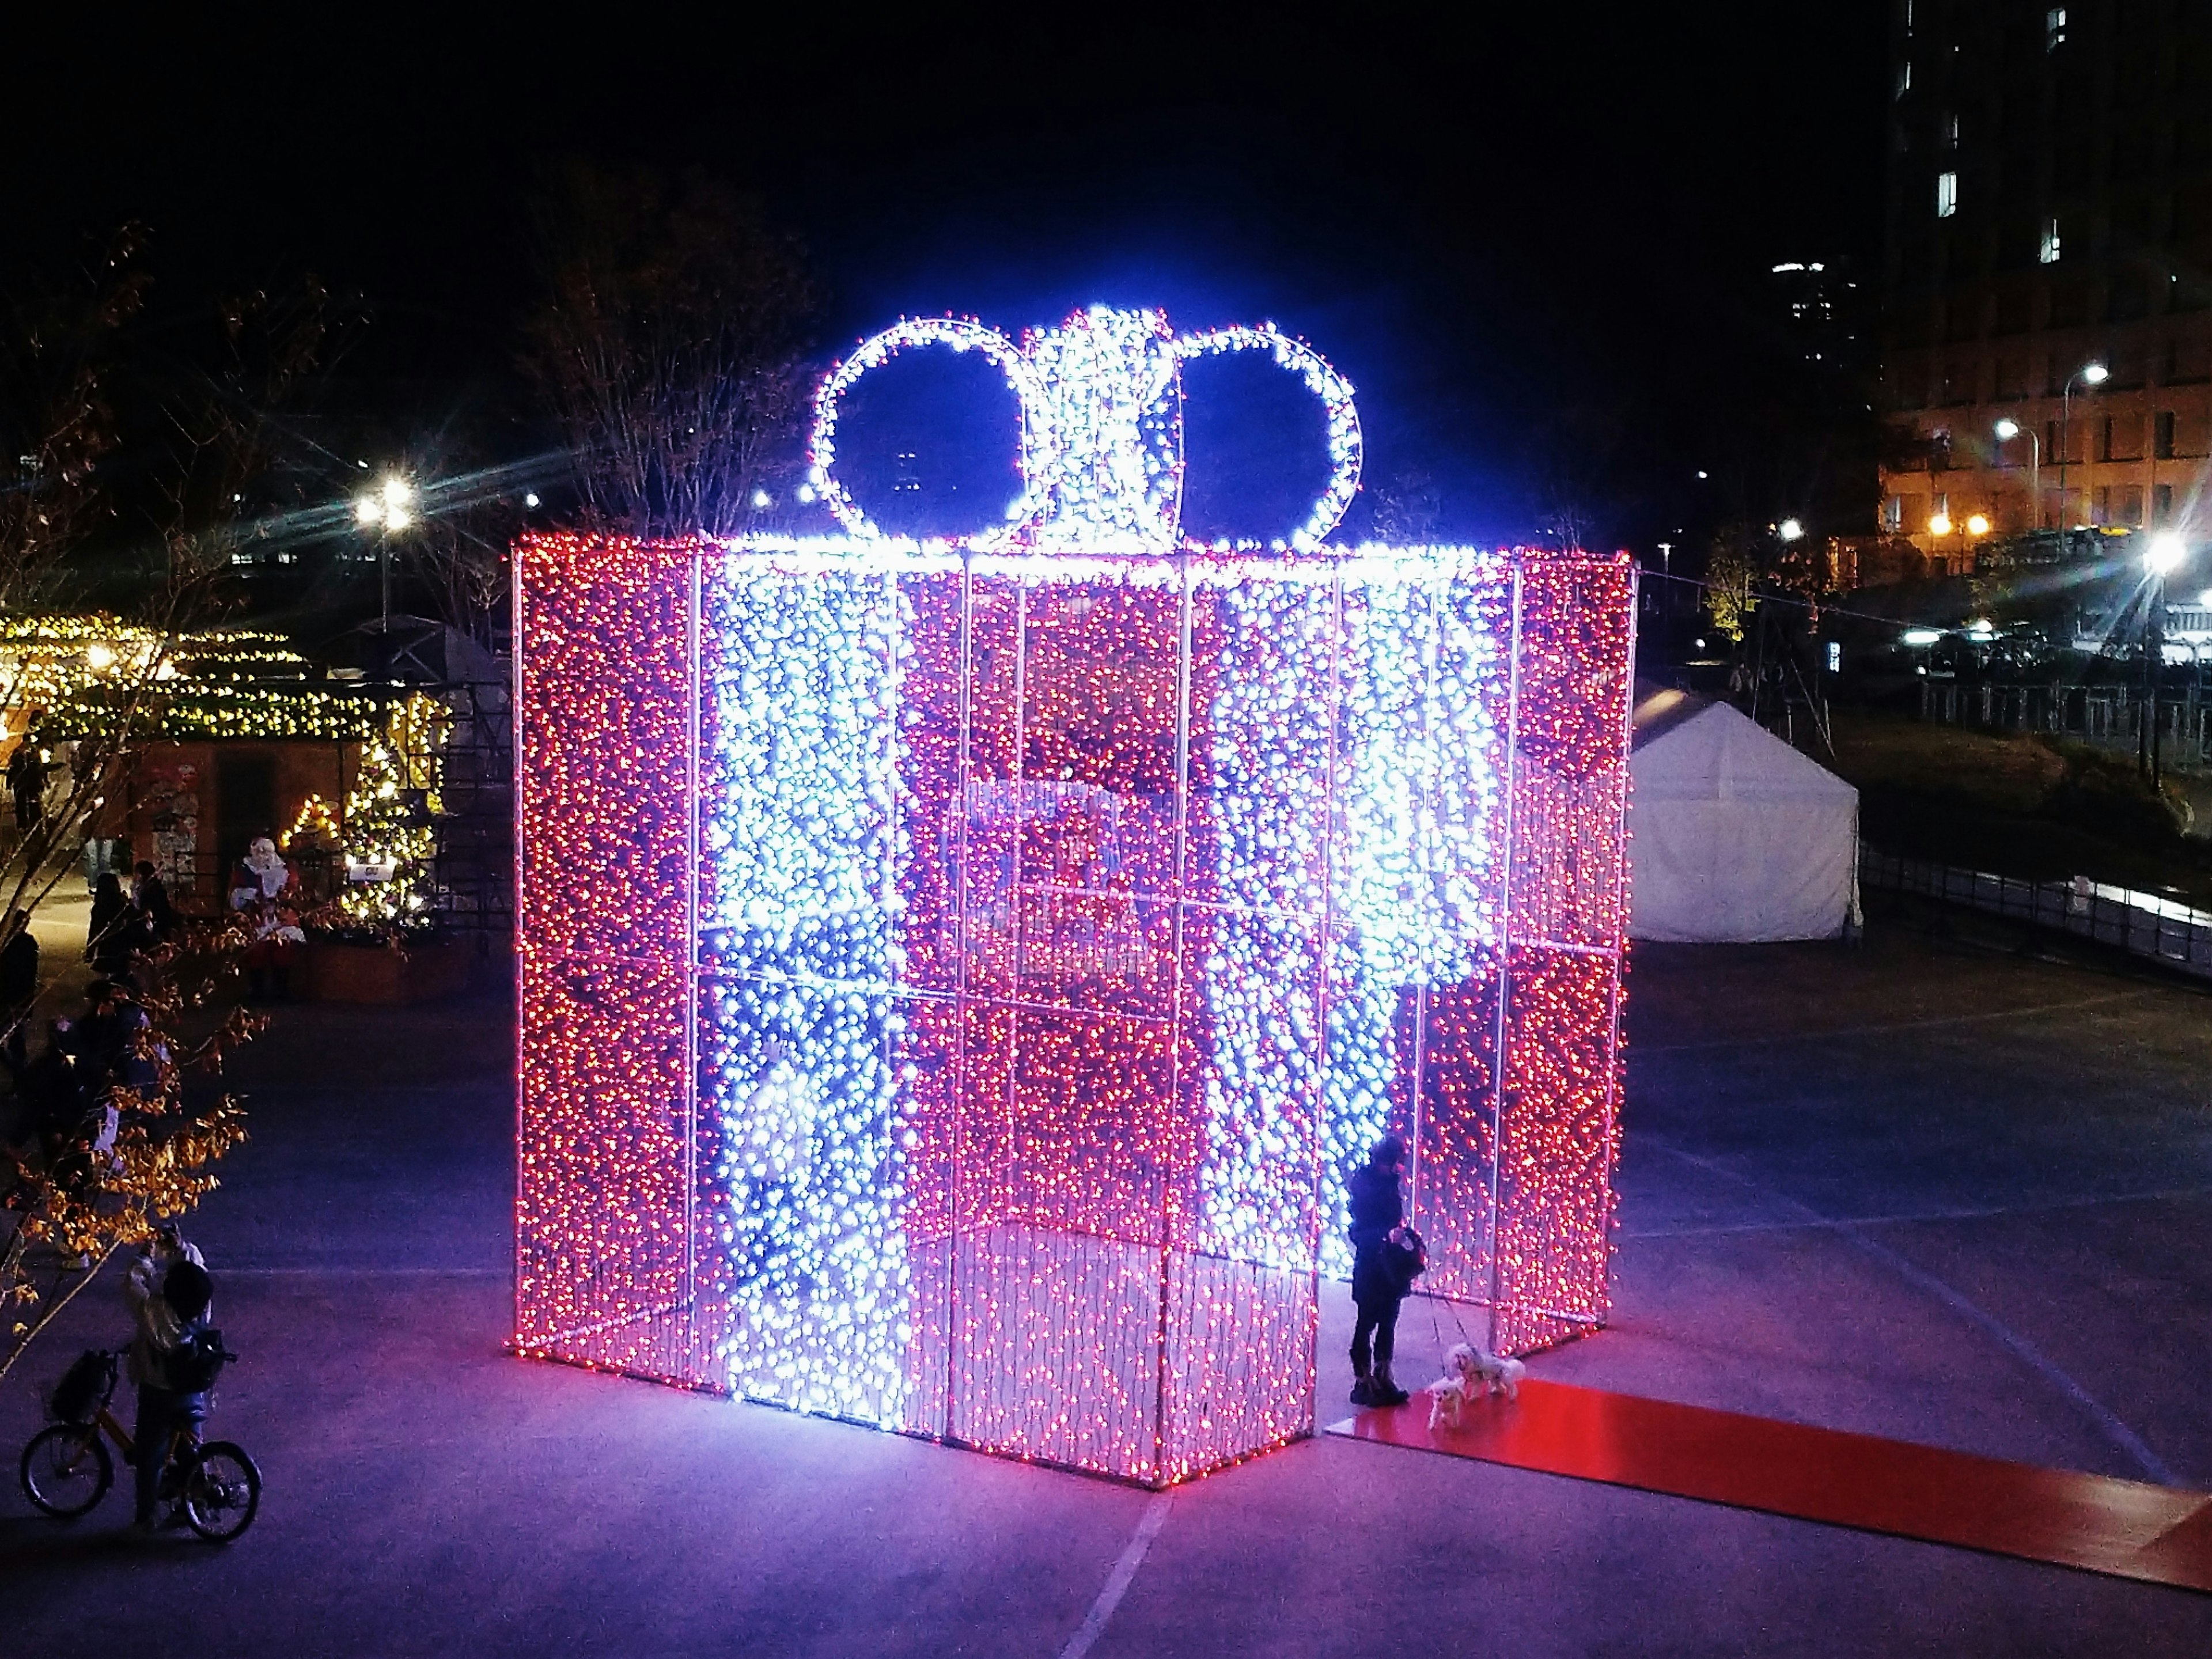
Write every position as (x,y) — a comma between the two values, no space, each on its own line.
(2102,716)
(2143,924)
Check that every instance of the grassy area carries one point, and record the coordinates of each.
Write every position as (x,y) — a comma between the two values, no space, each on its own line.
(2016,804)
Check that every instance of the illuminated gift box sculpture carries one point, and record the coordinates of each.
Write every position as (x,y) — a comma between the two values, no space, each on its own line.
(957,977)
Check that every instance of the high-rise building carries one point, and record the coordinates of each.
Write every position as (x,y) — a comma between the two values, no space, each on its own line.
(2049,272)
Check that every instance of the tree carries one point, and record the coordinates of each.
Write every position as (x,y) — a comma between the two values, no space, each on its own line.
(58,421)
(174,496)
(668,347)
(1732,567)
(387,818)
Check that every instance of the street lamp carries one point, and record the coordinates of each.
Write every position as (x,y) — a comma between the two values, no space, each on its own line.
(2008,429)
(1978,524)
(390,507)
(2162,555)
(1790,530)
(2088,375)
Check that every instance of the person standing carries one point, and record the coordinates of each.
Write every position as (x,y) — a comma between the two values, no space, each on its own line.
(149,897)
(27,781)
(1377,1284)
(109,940)
(19,987)
(170,1295)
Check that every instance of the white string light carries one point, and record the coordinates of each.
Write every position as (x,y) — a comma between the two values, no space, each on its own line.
(1101,447)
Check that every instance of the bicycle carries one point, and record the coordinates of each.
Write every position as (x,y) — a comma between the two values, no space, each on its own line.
(66,1468)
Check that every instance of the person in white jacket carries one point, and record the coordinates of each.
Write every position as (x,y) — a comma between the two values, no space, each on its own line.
(165,1305)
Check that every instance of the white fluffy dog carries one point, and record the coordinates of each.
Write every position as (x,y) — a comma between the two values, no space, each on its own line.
(1470,1372)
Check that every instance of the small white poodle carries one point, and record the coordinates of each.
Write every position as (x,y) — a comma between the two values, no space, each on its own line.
(1470,1372)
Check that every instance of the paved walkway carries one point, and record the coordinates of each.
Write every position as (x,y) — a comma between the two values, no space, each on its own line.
(1921,1190)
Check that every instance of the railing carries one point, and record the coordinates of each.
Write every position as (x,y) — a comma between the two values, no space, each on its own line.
(2143,924)
(2103,716)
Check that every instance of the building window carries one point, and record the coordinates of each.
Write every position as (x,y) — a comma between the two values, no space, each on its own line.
(2161,505)
(1905,77)
(2101,510)
(2048,251)
(1947,194)
(2054,28)
(1939,505)
(2131,506)
(2162,436)
(2105,438)
(1949,129)
(1893,513)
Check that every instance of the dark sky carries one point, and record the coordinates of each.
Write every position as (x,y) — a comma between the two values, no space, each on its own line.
(1500,229)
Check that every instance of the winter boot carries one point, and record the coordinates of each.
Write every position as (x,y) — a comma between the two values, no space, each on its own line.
(1362,1389)
(1384,1391)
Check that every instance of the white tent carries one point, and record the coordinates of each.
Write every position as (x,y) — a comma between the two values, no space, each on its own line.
(1733,835)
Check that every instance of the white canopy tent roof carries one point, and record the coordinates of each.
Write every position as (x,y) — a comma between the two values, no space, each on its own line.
(1733,835)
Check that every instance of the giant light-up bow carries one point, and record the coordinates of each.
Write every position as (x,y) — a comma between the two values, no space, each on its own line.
(1100,396)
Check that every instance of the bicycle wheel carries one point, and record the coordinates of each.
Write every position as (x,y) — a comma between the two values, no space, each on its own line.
(66,1469)
(222,1491)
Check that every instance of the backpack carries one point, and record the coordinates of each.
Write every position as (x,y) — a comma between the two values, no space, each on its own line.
(76,1396)
(194,1365)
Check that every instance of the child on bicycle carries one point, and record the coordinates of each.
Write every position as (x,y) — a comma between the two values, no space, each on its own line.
(169,1292)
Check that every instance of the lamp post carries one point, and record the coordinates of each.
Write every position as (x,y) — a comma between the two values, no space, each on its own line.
(390,508)
(2088,375)
(2166,551)
(2008,429)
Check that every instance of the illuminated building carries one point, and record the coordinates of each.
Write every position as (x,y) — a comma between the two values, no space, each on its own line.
(957,977)
(2050,208)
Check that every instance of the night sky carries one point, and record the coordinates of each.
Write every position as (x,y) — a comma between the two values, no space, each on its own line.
(1535,245)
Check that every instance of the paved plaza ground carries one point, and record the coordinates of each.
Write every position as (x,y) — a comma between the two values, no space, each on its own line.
(1931,1186)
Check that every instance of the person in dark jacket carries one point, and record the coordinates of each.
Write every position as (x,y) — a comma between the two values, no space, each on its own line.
(149,897)
(27,781)
(109,940)
(1378,1219)
(19,987)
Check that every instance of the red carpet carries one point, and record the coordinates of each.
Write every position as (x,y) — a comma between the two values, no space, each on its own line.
(2156,1533)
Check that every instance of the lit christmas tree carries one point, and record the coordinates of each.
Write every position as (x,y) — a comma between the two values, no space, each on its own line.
(389,841)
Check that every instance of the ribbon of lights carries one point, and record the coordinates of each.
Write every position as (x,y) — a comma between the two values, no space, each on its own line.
(1101,453)
(956,979)
(959,334)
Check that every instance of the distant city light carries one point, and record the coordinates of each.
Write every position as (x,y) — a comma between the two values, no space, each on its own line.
(2166,550)
(1835,656)
(368,509)
(2205,598)
(530,500)
(1920,636)
(1940,524)
(1981,628)
(1978,525)
(1790,530)
(1701,472)
(762,501)
(806,494)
